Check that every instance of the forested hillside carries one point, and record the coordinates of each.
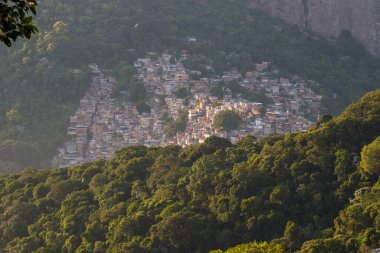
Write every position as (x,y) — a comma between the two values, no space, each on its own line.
(315,191)
(42,80)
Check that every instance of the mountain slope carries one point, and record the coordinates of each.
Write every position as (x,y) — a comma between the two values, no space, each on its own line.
(42,80)
(330,18)
(287,189)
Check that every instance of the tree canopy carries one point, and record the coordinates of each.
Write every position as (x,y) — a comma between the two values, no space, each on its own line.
(227,120)
(16,18)
(371,157)
(253,248)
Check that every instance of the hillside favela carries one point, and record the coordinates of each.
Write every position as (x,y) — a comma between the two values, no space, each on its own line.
(102,125)
(191,126)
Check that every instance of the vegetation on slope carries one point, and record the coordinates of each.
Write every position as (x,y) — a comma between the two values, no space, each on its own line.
(287,189)
(42,80)
(253,248)
(227,120)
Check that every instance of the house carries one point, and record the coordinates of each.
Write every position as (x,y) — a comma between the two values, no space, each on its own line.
(138,64)
(191,39)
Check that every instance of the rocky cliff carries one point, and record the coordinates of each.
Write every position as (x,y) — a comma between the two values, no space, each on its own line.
(330,17)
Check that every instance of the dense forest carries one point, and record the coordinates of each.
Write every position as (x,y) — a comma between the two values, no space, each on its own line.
(42,80)
(314,191)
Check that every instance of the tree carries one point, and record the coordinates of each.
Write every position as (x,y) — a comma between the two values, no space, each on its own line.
(254,247)
(323,245)
(322,119)
(227,120)
(175,126)
(15,219)
(170,129)
(291,234)
(136,92)
(370,162)
(15,20)
(218,92)
(247,142)
(181,92)
(177,231)
(14,115)
(142,107)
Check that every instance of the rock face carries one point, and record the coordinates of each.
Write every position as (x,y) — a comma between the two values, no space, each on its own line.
(330,17)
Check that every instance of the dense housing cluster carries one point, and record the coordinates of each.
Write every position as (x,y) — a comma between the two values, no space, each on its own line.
(101,125)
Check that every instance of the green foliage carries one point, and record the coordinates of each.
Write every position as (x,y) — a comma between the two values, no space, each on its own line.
(322,246)
(227,120)
(356,227)
(253,248)
(181,92)
(370,162)
(245,93)
(35,119)
(173,127)
(16,20)
(136,92)
(142,107)
(322,119)
(218,92)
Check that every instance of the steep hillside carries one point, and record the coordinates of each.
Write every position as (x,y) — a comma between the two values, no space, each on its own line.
(42,80)
(330,18)
(287,189)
